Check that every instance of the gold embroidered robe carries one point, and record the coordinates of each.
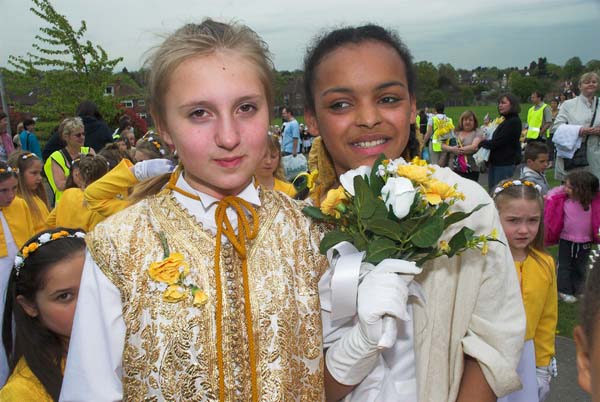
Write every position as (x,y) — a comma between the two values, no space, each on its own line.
(170,351)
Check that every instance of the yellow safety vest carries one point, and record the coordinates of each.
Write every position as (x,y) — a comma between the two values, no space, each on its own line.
(59,158)
(535,118)
(418,123)
(441,127)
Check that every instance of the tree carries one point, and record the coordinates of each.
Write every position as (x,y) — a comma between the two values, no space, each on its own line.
(67,68)
(427,80)
(593,65)
(573,68)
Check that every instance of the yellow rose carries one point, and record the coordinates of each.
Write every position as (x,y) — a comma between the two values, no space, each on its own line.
(169,269)
(418,161)
(174,293)
(60,234)
(30,249)
(334,198)
(415,173)
(436,191)
(200,298)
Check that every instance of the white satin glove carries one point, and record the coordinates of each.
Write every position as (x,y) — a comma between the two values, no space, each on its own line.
(543,375)
(381,293)
(151,168)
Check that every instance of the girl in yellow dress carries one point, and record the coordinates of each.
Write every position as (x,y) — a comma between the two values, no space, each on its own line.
(41,296)
(72,211)
(270,171)
(31,188)
(521,208)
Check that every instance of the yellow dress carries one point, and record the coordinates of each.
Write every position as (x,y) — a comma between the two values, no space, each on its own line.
(40,224)
(108,195)
(18,217)
(537,276)
(72,212)
(23,385)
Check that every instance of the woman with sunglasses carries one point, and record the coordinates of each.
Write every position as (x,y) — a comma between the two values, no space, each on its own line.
(58,166)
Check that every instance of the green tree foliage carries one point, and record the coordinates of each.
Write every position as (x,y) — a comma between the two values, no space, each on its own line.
(65,67)
(573,68)
(593,65)
(427,81)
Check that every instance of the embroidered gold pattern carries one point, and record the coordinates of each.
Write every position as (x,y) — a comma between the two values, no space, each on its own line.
(170,348)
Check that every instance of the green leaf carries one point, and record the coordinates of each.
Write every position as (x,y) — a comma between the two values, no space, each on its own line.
(359,242)
(429,233)
(459,216)
(441,209)
(380,249)
(385,227)
(315,213)
(332,238)
(364,200)
(460,240)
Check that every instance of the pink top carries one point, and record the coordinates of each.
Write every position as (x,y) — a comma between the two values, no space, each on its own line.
(577,225)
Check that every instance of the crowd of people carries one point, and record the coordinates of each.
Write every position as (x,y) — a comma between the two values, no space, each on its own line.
(177,265)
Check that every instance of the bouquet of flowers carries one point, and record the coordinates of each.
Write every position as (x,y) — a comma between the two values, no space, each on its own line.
(396,210)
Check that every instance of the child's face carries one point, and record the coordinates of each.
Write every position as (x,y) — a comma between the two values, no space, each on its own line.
(362,104)
(122,145)
(140,156)
(217,116)
(588,361)
(33,175)
(54,304)
(269,163)
(569,189)
(77,179)
(540,164)
(8,191)
(520,220)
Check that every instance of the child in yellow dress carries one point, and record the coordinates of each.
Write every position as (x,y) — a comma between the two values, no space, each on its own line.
(16,227)
(71,211)
(520,205)
(207,287)
(30,187)
(41,296)
(270,171)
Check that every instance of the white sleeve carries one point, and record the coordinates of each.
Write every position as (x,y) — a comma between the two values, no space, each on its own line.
(93,370)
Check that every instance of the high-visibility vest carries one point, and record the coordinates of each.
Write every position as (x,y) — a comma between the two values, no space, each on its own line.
(418,123)
(58,157)
(441,127)
(535,118)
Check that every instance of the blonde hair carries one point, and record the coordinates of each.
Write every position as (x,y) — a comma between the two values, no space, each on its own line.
(195,40)
(23,160)
(69,125)
(153,146)
(588,76)
(275,148)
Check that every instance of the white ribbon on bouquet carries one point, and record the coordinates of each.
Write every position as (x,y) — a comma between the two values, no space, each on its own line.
(347,270)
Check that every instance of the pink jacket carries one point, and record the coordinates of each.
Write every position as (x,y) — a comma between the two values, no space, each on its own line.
(554,216)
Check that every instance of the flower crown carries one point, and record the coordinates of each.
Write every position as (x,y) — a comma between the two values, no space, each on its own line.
(41,240)
(156,144)
(9,170)
(511,183)
(28,155)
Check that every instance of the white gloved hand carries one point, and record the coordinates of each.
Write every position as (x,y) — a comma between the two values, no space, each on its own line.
(543,376)
(381,293)
(152,167)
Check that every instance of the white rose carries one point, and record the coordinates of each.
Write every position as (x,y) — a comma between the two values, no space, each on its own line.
(45,238)
(347,179)
(398,193)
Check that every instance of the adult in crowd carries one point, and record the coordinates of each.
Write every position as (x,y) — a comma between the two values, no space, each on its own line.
(463,339)
(97,133)
(58,166)
(28,139)
(467,136)
(504,146)
(579,117)
(6,144)
(439,131)
(539,118)
(290,139)
(55,142)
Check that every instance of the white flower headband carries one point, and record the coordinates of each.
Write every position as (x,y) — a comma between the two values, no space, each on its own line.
(9,170)
(29,155)
(511,183)
(41,240)
(156,144)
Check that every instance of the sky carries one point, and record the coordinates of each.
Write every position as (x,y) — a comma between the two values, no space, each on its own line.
(465,33)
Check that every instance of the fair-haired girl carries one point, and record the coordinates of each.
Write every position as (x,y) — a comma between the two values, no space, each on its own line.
(30,187)
(41,297)
(521,208)
(205,289)
(572,219)
(110,194)
(270,171)
(16,227)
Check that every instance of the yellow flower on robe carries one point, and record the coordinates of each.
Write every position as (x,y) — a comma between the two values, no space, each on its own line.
(169,270)
(175,293)
(200,298)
